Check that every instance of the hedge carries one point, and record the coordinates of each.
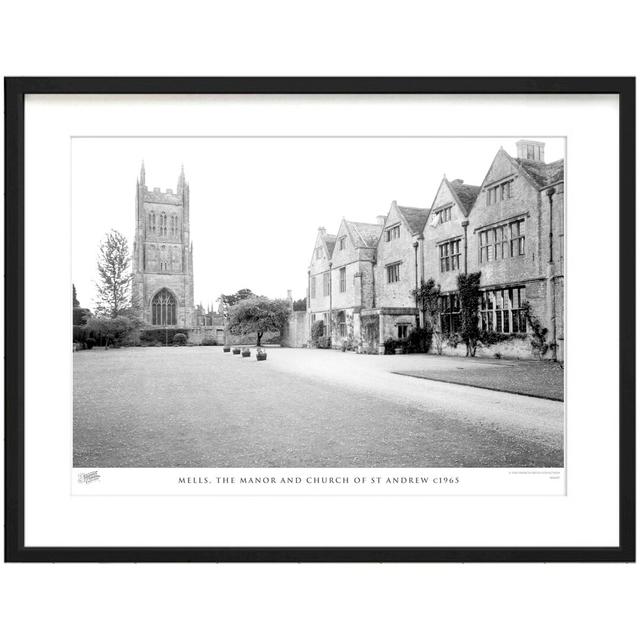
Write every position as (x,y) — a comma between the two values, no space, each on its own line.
(152,336)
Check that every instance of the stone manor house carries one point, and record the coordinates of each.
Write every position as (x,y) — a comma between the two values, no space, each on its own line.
(510,228)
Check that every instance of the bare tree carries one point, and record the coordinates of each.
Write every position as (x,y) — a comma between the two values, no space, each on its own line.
(114,275)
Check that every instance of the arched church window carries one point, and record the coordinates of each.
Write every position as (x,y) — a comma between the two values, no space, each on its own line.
(163,308)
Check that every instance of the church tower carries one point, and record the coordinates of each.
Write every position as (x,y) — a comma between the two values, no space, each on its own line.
(163,255)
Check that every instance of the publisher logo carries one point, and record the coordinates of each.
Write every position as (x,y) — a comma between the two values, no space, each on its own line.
(87,478)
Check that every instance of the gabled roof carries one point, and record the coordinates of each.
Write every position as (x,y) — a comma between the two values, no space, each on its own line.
(329,242)
(466,193)
(364,234)
(541,173)
(414,217)
(538,174)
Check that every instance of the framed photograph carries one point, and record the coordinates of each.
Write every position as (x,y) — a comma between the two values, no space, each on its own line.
(320,319)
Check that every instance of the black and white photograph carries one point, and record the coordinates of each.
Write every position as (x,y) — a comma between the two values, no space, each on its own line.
(318,302)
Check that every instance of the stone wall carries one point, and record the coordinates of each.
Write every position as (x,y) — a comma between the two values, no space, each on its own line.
(516,348)
(397,250)
(207,334)
(270,337)
(452,229)
(296,331)
(391,319)
(526,202)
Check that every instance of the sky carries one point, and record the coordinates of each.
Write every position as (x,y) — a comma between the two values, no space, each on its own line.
(256,203)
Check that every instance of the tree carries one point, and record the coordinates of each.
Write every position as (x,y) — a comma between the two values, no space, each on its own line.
(231,299)
(80,314)
(110,331)
(469,292)
(428,299)
(300,305)
(257,314)
(539,334)
(114,275)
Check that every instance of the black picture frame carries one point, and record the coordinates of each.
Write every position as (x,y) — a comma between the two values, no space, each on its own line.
(15,91)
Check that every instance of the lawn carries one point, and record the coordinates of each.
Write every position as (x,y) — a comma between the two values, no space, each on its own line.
(540,379)
(199,407)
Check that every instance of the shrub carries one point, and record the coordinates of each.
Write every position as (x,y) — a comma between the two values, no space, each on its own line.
(80,335)
(469,294)
(90,343)
(161,335)
(323,342)
(488,338)
(539,334)
(349,344)
(419,340)
(453,340)
(317,332)
(179,339)
(390,346)
(111,331)
(208,341)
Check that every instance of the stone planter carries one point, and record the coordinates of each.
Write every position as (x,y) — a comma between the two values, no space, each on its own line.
(261,356)
(246,353)
(226,349)
(236,351)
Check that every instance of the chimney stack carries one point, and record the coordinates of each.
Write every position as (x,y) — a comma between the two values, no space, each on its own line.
(381,220)
(530,150)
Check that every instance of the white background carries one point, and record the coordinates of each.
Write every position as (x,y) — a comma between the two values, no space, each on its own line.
(403,601)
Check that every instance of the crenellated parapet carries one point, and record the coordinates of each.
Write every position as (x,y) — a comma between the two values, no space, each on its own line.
(156,196)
